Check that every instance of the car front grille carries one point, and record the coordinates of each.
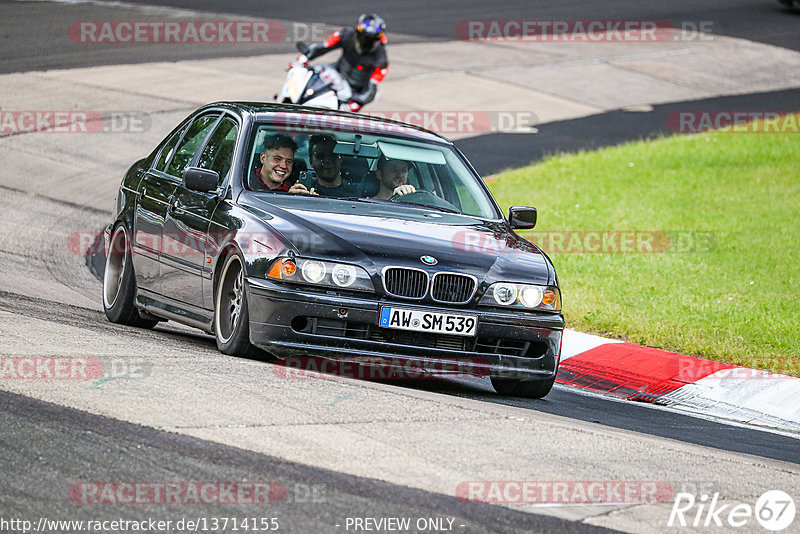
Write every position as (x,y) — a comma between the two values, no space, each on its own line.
(453,288)
(450,288)
(406,283)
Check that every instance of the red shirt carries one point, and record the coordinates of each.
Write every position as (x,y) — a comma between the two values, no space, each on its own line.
(285,185)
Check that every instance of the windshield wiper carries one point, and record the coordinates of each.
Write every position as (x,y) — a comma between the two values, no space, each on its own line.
(389,202)
(437,208)
(362,199)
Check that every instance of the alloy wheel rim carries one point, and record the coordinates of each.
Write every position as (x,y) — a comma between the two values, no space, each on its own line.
(115,268)
(230,300)
(236,300)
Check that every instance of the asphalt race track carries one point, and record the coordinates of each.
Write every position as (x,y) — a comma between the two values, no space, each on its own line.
(36,42)
(178,410)
(58,435)
(492,153)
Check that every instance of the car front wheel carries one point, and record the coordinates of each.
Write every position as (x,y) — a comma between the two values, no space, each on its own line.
(119,283)
(231,316)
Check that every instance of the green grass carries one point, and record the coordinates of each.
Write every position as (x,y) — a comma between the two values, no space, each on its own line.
(736,301)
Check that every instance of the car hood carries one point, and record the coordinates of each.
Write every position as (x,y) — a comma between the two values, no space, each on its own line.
(378,235)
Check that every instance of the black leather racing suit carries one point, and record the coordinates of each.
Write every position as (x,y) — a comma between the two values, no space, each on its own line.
(363,71)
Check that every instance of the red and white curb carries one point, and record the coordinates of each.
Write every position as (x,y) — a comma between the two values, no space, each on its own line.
(720,390)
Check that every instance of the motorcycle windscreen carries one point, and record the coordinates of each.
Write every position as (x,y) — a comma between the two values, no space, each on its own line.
(296,83)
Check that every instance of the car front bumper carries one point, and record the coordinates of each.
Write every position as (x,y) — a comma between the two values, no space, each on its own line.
(293,321)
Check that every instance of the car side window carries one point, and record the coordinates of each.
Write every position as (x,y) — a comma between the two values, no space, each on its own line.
(168,150)
(194,137)
(218,152)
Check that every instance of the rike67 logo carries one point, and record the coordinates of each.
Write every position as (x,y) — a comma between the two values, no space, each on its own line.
(774,510)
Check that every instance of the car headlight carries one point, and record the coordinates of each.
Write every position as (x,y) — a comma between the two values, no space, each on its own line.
(321,273)
(504,294)
(313,271)
(344,275)
(528,296)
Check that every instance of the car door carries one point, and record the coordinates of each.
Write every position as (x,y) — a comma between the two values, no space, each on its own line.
(184,265)
(155,190)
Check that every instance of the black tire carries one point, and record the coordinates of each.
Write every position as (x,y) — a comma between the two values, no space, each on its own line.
(119,283)
(231,314)
(531,389)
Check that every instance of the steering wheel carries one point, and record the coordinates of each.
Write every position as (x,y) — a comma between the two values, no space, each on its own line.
(424,198)
(419,194)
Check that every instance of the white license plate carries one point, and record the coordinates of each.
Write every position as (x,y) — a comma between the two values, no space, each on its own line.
(457,324)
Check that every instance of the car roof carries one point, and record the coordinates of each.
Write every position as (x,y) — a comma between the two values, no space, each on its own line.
(303,116)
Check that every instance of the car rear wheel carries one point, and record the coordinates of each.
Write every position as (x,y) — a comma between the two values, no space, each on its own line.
(119,283)
(231,315)
(532,389)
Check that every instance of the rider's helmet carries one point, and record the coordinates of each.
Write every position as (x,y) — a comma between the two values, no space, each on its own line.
(369,31)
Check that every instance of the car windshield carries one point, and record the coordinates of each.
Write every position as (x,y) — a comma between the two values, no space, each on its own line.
(369,167)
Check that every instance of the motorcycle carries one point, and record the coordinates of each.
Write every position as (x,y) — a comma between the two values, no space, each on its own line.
(312,85)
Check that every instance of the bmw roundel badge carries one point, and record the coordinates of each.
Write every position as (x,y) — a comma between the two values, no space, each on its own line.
(429,260)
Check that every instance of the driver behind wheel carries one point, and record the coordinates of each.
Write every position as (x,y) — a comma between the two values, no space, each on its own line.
(392,175)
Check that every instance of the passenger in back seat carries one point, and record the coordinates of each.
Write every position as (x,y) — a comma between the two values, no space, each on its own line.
(328,169)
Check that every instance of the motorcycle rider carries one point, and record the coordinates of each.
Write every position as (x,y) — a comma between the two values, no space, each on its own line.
(363,63)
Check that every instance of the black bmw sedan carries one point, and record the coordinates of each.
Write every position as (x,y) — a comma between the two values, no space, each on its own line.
(302,232)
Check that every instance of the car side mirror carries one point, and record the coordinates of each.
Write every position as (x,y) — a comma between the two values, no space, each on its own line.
(202,180)
(521,217)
